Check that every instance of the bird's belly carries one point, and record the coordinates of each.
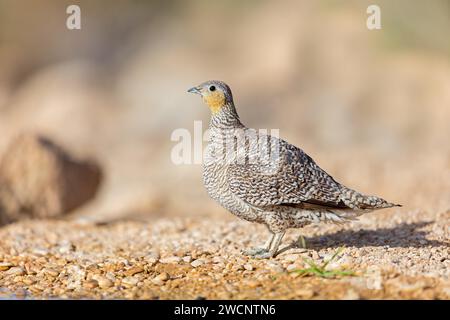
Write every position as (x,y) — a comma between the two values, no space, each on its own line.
(215,181)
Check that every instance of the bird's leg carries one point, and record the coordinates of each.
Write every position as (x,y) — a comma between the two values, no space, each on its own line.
(269,241)
(301,241)
(273,247)
(257,250)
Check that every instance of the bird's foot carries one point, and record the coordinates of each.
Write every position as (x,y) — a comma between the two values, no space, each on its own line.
(301,242)
(259,253)
(255,251)
(264,255)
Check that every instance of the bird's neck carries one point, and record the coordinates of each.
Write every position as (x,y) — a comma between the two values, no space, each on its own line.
(226,117)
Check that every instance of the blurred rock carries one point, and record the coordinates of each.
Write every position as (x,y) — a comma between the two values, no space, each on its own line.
(38,179)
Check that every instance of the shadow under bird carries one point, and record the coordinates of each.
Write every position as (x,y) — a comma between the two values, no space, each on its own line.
(288,191)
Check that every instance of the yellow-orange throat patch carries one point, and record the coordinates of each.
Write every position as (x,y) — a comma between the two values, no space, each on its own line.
(215,101)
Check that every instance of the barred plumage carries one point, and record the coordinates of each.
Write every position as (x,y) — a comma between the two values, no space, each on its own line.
(288,190)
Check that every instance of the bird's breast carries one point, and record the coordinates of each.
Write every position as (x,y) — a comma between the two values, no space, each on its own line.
(216,184)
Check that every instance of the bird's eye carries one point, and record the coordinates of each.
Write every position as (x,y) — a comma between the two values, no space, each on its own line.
(212,88)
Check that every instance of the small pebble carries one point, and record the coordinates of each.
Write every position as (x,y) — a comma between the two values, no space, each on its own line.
(248,267)
(197,263)
(91,284)
(40,251)
(152,257)
(17,271)
(130,281)
(134,270)
(304,293)
(29,281)
(5,266)
(66,248)
(51,272)
(161,279)
(104,282)
(171,259)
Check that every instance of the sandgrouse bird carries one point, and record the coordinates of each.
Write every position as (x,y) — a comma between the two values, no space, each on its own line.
(285,189)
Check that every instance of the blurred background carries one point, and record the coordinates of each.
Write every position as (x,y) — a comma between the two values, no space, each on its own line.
(371,107)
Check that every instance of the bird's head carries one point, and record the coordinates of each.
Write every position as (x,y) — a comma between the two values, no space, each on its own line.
(216,94)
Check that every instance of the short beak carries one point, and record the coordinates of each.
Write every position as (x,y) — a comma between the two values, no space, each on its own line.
(194,90)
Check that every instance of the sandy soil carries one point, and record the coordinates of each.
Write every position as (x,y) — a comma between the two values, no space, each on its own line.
(395,254)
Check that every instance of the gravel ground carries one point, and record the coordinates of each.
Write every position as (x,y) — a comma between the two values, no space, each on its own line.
(395,254)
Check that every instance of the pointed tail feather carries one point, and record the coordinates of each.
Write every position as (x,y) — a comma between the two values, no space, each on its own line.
(356,200)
